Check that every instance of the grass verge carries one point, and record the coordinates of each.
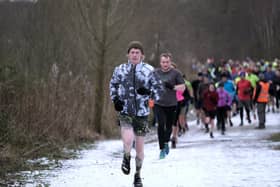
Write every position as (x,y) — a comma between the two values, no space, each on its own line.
(275,138)
(17,164)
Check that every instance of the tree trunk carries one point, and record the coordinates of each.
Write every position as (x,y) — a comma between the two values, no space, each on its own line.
(99,93)
(100,77)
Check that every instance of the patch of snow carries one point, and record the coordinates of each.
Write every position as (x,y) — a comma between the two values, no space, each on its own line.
(242,157)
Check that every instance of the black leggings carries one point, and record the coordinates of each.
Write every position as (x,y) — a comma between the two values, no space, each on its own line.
(246,105)
(166,118)
(221,117)
(277,97)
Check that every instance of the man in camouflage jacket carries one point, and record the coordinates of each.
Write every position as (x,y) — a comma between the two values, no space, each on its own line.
(131,86)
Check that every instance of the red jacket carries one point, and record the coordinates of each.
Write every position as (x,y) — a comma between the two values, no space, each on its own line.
(244,88)
(210,100)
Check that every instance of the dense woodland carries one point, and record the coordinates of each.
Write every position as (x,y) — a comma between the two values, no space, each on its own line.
(57,57)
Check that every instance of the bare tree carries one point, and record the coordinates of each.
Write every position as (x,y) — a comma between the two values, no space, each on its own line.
(104,23)
(265,17)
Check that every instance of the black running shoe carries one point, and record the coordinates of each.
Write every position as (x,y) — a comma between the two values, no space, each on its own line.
(230,123)
(211,135)
(249,121)
(137,180)
(173,143)
(126,164)
(186,126)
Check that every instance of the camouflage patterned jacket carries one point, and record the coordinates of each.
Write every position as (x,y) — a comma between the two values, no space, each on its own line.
(126,79)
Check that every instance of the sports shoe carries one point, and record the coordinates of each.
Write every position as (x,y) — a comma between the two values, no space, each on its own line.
(211,135)
(183,130)
(166,148)
(137,180)
(249,121)
(126,164)
(173,142)
(186,126)
(180,133)
(162,154)
(230,123)
(261,126)
(241,124)
(206,128)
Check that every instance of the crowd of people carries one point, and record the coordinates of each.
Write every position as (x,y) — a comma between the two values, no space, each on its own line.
(249,85)
(220,90)
(227,88)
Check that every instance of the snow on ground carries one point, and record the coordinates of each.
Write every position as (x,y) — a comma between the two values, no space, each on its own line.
(240,158)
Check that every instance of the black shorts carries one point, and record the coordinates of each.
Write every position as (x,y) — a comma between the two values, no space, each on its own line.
(198,104)
(187,107)
(235,100)
(228,108)
(211,114)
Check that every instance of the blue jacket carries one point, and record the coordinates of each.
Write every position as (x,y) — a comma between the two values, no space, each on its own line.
(269,75)
(230,88)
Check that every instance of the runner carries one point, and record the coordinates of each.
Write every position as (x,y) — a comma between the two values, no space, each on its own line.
(223,103)
(269,76)
(244,90)
(276,85)
(203,87)
(261,97)
(197,100)
(210,101)
(229,87)
(130,87)
(165,107)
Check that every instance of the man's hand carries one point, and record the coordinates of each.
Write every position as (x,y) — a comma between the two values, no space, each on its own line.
(118,104)
(143,91)
(247,91)
(168,85)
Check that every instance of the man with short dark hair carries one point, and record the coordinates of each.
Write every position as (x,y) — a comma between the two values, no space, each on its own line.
(130,87)
(261,97)
(244,90)
(230,89)
(165,107)
(197,101)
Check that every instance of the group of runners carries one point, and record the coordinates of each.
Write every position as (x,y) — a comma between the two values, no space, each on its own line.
(220,90)
(227,88)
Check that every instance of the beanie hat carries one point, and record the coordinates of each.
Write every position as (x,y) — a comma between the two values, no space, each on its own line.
(242,74)
(135,45)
